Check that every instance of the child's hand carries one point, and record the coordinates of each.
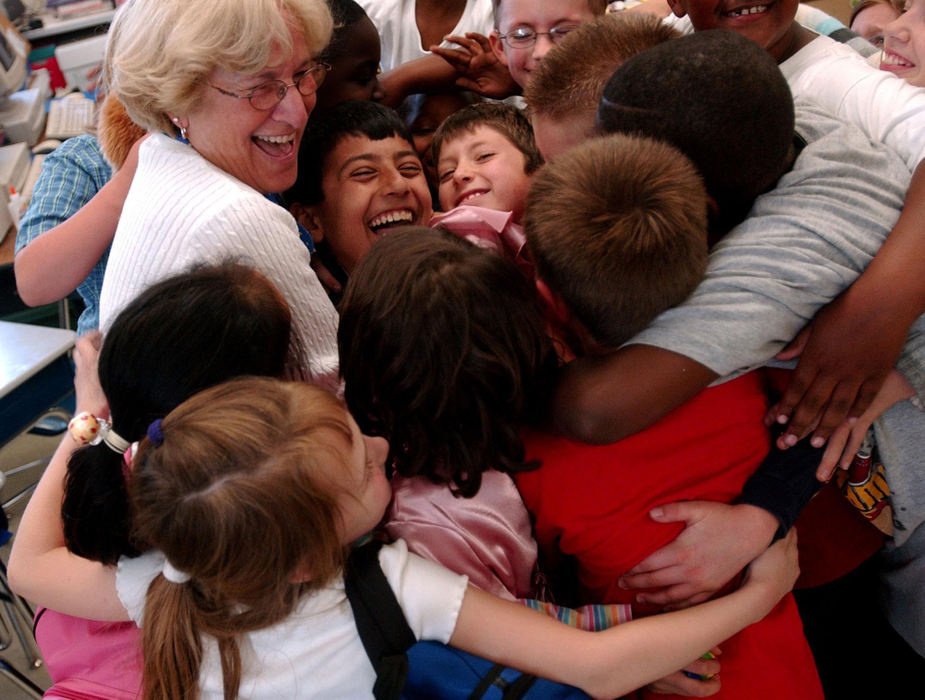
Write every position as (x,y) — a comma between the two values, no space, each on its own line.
(718,541)
(89,393)
(328,281)
(847,438)
(478,67)
(849,350)
(680,683)
(777,568)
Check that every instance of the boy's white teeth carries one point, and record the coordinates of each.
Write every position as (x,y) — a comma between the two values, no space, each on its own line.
(748,11)
(277,139)
(470,195)
(891,59)
(391,217)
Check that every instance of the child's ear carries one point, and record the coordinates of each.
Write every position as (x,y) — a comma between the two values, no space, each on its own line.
(308,217)
(554,304)
(497,48)
(712,207)
(677,8)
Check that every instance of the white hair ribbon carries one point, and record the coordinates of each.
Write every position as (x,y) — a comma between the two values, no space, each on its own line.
(173,574)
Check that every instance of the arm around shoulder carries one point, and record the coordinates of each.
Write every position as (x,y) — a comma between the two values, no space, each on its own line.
(603,399)
(614,662)
(40,566)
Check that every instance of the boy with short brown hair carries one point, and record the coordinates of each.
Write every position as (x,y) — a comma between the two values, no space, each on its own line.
(509,121)
(620,233)
(565,88)
(486,159)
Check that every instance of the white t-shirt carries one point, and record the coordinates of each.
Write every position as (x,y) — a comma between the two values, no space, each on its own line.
(398,29)
(800,246)
(316,652)
(882,105)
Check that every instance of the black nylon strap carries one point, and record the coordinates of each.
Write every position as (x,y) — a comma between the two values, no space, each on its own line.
(379,619)
(520,687)
(487,681)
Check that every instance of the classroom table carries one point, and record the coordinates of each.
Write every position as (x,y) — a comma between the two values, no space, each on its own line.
(35,374)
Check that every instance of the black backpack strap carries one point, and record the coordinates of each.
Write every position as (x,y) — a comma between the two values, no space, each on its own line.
(380,621)
(510,690)
(488,680)
(520,687)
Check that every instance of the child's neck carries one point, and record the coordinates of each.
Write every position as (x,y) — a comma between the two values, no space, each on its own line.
(795,39)
(436,19)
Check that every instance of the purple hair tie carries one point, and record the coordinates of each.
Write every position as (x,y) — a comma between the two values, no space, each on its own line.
(155,434)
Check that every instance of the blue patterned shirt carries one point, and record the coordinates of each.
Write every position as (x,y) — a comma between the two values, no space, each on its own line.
(71,175)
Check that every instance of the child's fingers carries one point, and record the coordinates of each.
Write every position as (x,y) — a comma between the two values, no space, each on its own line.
(833,452)
(328,280)
(855,438)
(467,84)
(657,578)
(805,412)
(770,416)
(796,346)
(470,42)
(455,57)
(841,400)
(865,397)
(480,39)
(465,41)
(680,684)
(675,597)
(703,667)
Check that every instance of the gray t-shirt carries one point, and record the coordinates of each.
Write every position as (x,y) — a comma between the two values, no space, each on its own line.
(800,246)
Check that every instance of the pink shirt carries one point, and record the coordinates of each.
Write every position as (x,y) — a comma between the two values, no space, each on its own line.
(487,537)
(489,228)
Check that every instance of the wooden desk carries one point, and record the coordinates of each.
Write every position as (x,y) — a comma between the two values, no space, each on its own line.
(35,374)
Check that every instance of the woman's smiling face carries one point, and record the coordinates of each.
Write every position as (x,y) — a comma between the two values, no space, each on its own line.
(258,147)
(904,44)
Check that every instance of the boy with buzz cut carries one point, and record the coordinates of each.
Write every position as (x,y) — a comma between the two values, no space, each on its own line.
(564,90)
(486,159)
(617,228)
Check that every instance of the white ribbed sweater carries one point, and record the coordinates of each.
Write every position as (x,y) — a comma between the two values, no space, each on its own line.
(180,210)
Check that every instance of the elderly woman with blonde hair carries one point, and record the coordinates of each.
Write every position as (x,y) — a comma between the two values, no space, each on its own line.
(225,87)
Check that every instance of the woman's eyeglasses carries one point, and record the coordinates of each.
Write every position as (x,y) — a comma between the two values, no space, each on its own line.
(269,94)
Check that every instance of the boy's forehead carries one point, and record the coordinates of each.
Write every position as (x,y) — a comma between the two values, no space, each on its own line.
(541,12)
(351,146)
(473,134)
